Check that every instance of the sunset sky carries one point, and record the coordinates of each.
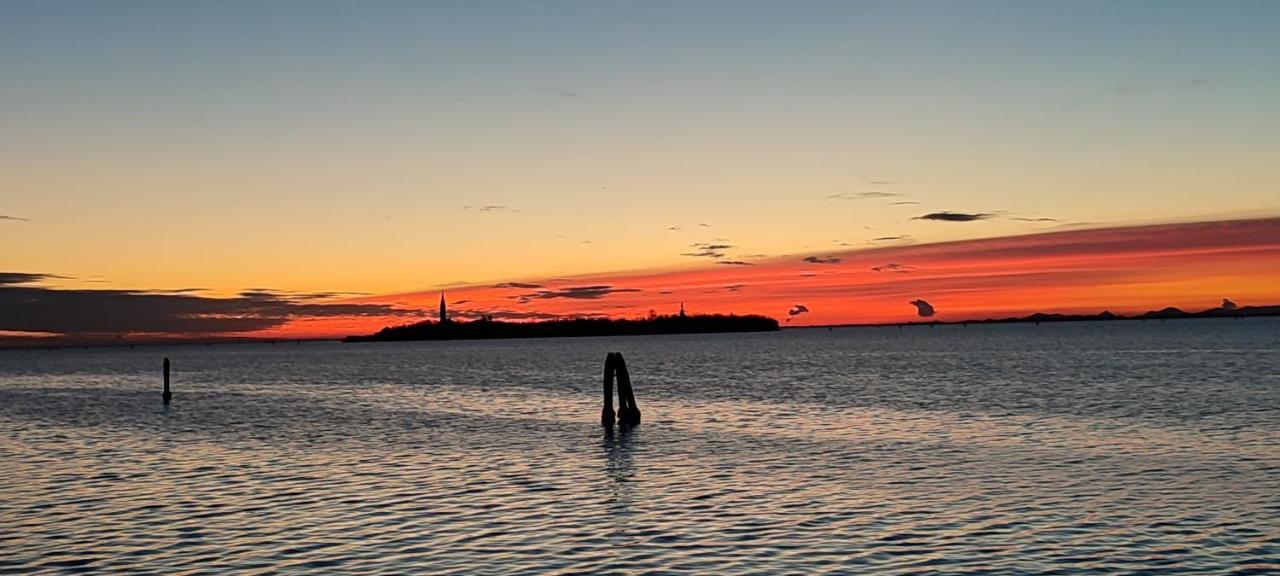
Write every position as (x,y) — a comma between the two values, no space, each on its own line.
(322,168)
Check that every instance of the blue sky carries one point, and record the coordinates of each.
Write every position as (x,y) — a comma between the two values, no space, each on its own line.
(287,129)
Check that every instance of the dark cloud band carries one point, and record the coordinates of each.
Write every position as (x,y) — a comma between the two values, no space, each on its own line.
(574,293)
(25,307)
(954,216)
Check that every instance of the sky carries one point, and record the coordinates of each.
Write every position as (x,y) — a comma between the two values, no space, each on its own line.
(314,168)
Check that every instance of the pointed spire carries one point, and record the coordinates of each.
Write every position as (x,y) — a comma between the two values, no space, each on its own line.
(682,309)
(444,314)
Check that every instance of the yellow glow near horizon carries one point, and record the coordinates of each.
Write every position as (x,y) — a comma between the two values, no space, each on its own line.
(206,150)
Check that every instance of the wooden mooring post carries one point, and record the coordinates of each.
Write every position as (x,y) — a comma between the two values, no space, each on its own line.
(167,395)
(628,413)
(606,414)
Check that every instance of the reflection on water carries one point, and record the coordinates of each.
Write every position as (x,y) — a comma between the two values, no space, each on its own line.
(620,468)
(1097,448)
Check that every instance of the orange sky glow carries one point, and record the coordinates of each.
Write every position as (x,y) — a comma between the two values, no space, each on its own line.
(1124,270)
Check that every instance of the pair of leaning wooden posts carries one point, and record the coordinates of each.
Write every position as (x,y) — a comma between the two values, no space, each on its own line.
(628,413)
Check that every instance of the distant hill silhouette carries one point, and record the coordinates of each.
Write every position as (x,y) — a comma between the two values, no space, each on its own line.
(484,329)
(1162,314)
(1169,313)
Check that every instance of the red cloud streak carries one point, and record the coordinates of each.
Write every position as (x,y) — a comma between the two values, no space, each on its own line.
(1125,270)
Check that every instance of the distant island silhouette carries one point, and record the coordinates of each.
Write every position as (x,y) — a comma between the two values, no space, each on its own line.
(445,328)
(1169,313)
(485,329)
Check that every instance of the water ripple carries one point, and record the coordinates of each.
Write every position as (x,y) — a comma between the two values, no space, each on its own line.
(1061,452)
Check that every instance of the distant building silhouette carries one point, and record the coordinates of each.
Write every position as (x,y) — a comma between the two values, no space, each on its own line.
(444,314)
(682,310)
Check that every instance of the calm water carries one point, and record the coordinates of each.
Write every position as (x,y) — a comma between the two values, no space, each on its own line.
(1073,449)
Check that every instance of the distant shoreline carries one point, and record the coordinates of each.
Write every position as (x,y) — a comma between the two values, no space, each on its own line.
(1164,314)
(1169,313)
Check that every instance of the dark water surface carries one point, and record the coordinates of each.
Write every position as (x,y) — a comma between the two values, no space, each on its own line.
(1097,448)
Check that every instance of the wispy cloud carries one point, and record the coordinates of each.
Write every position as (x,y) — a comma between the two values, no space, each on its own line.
(893,267)
(1193,83)
(12,278)
(574,293)
(1138,88)
(707,250)
(505,314)
(271,293)
(490,208)
(820,260)
(864,195)
(451,284)
(734,263)
(522,285)
(954,216)
(14,218)
(1024,219)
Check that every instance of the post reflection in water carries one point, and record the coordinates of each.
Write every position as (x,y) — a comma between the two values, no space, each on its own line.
(619,468)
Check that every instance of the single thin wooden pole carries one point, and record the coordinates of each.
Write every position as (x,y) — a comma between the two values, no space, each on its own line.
(167,394)
(606,414)
(629,413)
